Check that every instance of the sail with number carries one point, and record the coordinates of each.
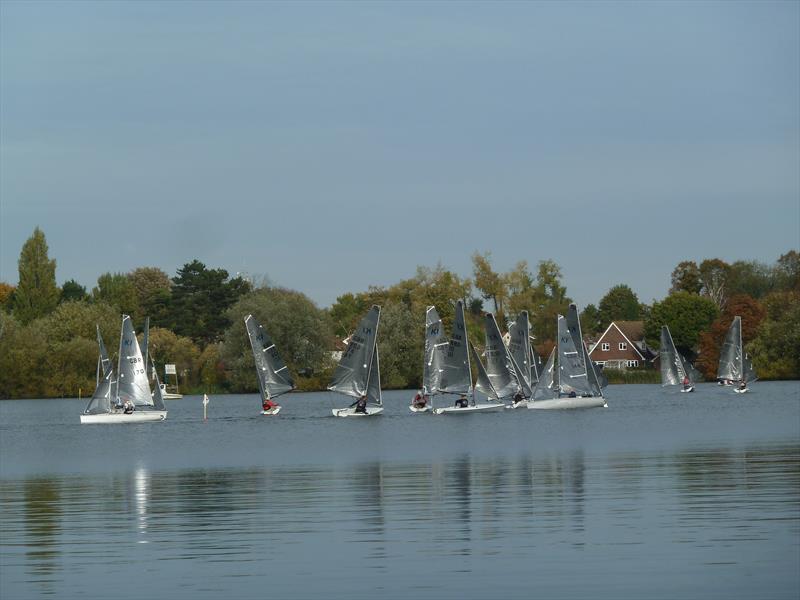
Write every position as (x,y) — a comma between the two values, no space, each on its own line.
(352,374)
(456,377)
(572,373)
(132,383)
(499,367)
(734,364)
(596,379)
(435,348)
(273,375)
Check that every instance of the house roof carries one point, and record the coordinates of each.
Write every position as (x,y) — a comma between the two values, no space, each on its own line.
(616,325)
(633,330)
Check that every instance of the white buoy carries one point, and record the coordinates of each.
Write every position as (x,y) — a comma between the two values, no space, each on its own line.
(205,407)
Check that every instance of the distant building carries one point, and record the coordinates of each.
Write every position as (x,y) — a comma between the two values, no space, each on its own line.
(622,346)
(339,346)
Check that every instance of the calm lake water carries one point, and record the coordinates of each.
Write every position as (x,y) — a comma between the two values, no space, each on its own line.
(661,495)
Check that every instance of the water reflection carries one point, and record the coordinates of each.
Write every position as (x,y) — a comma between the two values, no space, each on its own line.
(385,520)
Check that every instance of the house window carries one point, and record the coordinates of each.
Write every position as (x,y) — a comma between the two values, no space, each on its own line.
(623,346)
(633,363)
(605,347)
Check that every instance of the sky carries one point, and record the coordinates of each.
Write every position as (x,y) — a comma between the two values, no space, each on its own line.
(327,147)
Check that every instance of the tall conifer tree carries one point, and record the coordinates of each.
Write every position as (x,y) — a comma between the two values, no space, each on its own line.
(37,293)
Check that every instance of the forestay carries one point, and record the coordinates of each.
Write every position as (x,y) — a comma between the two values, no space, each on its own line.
(132,384)
(273,375)
(456,375)
(435,347)
(352,373)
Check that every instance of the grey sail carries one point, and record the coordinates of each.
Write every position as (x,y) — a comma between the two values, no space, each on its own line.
(672,370)
(596,380)
(498,364)
(132,383)
(352,373)
(143,347)
(747,368)
(456,377)
(572,373)
(101,399)
(482,381)
(374,380)
(537,365)
(519,347)
(730,357)
(547,386)
(435,346)
(158,398)
(273,376)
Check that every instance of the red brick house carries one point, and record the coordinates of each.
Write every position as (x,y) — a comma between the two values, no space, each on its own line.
(622,346)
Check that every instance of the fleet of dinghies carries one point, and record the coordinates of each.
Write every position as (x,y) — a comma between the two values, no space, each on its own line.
(513,371)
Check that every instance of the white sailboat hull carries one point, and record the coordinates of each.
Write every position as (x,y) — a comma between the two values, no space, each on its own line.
(740,390)
(563,403)
(520,404)
(687,390)
(139,416)
(420,409)
(453,410)
(272,411)
(350,411)
(171,396)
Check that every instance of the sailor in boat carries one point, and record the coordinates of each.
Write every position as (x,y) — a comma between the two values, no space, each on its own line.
(462,402)
(743,384)
(128,407)
(518,398)
(420,400)
(268,404)
(361,405)
(572,394)
(686,383)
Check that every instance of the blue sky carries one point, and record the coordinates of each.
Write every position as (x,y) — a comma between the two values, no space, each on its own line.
(332,146)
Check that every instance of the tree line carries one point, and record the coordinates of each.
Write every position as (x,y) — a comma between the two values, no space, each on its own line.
(48,347)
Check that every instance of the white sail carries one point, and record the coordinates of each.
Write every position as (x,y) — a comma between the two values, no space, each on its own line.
(674,367)
(572,372)
(483,382)
(547,386)
(734,364)
(132,382)
(435,347)
(519,346)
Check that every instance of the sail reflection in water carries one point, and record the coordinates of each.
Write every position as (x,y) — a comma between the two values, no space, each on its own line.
(460,526)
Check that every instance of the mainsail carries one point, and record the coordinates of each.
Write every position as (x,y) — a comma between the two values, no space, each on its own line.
(101,399)
(273,376)
(352,373)
(597,381)
(499,368)
(435,345)
(673,366)
(572,373)
(132,384)
(483,383)
(519,347)
(158,398)
(456,377)
(734,364)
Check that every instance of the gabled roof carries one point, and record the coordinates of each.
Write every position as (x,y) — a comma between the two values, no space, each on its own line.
(632,327)
(633,330)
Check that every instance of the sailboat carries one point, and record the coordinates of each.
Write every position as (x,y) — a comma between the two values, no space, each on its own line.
(504,371)
(130,388)
(521,352)
(358,372)
(456,374)
(435,342)
(674,367)
(574,383)
(273,376)
(734,365)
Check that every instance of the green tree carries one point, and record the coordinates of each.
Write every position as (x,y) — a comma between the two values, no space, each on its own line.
(590,320)
(37,293)
(687,315)
(488,281)
(6,295)
(201,298)
(776,347)
(116,289)
(714,279)
(619,304)
(549,301)
(786,273)
(72,291)
(400,349)
(166,347)
(686,278)
(153,290)
(751,277)
(23,351)
(299,330)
